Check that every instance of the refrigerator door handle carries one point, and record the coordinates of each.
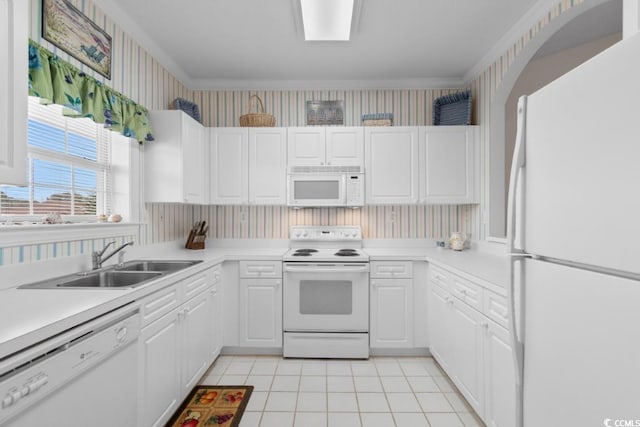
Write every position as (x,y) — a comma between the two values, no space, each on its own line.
(517,164)
(516,255)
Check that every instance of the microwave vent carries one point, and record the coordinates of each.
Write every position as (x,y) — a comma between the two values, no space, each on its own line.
(325,169)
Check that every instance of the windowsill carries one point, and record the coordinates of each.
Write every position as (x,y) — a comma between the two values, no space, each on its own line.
(31,234)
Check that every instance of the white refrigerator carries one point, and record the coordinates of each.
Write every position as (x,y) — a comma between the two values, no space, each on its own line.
(574,244)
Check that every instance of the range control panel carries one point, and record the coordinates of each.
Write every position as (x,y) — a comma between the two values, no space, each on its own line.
(327,234)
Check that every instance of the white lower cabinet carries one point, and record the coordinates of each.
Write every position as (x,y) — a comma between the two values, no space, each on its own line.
(176,348)
(472,348)
(500,397)
(260,304)
(440,326)
(397,305)
(467,352)
(261,312)
(391,313)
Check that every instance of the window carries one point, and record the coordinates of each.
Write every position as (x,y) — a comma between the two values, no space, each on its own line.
(69,167)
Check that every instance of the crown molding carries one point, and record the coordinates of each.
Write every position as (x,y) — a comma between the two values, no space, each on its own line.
(416,83)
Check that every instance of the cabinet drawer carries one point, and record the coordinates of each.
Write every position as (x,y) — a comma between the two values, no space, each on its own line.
(496,309)
(265,269)
(467,291)
(160,303)
(439,277)
(195,285)
(392,269)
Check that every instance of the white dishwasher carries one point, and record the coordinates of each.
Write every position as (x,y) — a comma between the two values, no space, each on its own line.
(84,376)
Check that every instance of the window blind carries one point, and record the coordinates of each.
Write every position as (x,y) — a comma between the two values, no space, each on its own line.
(69,167)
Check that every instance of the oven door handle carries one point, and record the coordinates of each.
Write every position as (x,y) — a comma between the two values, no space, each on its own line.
(327,269)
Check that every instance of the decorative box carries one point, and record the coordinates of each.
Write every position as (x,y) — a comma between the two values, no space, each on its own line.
(377,119)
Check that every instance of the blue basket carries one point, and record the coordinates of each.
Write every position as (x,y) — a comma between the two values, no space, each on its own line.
(454,109)
(188,107)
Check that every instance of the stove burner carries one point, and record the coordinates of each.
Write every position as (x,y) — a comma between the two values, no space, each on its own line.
(301,254)
(347,252)
(308,251)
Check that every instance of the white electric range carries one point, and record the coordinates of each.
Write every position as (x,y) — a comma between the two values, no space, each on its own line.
(326,293)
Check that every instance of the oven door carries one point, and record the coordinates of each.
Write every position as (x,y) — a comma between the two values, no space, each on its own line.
(326,297)
(316,190)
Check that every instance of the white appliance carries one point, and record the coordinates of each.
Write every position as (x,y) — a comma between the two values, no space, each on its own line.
(574,239)
(326,294)
(85,376)
(316,186)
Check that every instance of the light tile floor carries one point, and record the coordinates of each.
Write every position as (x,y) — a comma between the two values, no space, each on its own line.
(381,391)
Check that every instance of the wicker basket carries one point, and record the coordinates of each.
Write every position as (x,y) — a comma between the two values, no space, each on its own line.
(259,119)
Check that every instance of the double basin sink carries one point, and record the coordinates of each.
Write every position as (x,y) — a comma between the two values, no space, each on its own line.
(128,275)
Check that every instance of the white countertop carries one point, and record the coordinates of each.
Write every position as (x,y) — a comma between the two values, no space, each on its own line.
(28,316)
(487,265)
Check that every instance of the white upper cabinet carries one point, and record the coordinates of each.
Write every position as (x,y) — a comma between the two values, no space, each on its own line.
(335,146)
(175,169)
(391,165)
(14,26)
(228,166)
(449,166)
(305,146)
(247,166)
(267,166)
(344,146)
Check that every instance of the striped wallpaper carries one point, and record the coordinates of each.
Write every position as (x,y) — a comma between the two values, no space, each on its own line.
(173,221)
(33,253)
(410,107)
(139,76)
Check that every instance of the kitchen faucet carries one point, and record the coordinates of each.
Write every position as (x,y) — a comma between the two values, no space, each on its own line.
(97,259)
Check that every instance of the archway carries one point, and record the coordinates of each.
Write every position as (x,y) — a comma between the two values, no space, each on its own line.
(498,171)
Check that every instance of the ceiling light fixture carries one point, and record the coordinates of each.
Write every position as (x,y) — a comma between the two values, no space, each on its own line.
(327,20)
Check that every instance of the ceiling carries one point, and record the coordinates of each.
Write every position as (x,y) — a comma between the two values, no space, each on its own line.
(247,44)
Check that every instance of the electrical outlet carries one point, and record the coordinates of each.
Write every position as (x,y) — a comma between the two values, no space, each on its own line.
(392,216)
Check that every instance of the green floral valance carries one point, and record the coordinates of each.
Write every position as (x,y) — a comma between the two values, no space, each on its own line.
(58,82)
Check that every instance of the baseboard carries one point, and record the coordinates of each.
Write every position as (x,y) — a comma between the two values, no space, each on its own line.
(277,351)
(251,351)
(399,352)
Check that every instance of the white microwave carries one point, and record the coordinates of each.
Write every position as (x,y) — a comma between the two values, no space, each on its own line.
(318,186)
